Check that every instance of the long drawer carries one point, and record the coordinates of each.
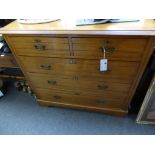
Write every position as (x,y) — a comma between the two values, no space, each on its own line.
(118,71)
(130,49)
(84,99)
(78,83)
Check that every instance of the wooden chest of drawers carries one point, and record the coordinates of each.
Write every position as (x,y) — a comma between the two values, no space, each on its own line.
(64,70)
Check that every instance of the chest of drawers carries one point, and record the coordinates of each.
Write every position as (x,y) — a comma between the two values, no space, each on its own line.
(63,70)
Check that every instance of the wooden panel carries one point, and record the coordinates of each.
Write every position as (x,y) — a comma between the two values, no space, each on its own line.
(62,27)
(116,48)
(120,44)
(8,61)
(111,111)
(43,53)
(37,39)
(122,72)
(116,55)
(61,82)
(85,99)
(46,46)
(41,46)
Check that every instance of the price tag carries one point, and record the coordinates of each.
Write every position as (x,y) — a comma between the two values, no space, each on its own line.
(103,65)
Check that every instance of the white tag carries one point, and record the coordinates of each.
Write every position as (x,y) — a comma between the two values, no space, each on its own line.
(1,94)
(103,64)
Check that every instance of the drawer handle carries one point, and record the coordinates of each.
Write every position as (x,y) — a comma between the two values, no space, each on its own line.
(108,49)
(57,97)
(100,101)
(39,47)
(37,40)
(46,67)
(102,87)
(52,82)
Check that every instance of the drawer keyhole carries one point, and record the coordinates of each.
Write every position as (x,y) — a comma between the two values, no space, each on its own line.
(46,67)
(56,97)
(102,87)
(100,101)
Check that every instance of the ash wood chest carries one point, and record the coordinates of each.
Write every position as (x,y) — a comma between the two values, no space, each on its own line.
(63,69)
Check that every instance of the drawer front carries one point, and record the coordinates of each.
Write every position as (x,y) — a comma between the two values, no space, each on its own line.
(61,82)
(38,39)
(116,48)
(84,99)
(8,61)
(41,46)
(118,71)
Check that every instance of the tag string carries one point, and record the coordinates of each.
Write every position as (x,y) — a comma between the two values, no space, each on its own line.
(104,52)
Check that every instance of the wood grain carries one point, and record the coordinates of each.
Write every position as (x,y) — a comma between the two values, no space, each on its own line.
(8,61)
(84,99)
(128,70)
(62,27)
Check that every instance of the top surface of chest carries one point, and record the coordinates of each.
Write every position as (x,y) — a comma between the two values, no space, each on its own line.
(142,27)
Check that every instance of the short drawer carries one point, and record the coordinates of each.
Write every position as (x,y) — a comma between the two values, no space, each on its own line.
(41,46)
(118,71)
(38,39)
(78,83)
(84,99)
(8,61)
(116,48)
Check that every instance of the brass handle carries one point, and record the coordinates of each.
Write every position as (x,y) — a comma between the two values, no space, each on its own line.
(37,40)
(57,97)
(52,82)
(102,87)
(46,67)
(100,101)
(39,47)
(108,49)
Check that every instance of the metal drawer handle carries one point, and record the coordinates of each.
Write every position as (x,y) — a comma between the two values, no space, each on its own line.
(100,101)
(102,87)
(52,82)
(37,40)
(57,97)
(39,47)
(46,67)
(108,49)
